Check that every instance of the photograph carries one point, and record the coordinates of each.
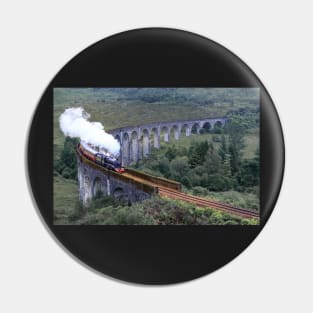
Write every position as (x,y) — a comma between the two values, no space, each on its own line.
(156,156)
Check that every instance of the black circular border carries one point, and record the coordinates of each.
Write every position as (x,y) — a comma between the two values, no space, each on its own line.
(154,57)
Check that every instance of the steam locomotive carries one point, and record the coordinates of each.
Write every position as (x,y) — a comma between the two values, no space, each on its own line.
(100,158)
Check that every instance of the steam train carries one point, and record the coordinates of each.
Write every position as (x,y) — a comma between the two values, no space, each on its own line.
(100,158)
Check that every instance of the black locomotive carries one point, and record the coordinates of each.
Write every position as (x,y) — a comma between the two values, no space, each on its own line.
(100,158)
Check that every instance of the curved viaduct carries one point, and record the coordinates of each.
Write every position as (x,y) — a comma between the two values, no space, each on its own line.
(130,186)
(93,179)
(133,185)
(136,141)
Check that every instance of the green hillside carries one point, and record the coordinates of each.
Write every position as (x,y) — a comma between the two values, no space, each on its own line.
(119,107)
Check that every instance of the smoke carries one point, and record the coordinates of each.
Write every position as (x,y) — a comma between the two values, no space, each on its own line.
(74,122)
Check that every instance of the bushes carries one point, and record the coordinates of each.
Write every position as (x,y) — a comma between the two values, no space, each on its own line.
(105,210)
(78,212)
(100,201)
(249,174)
(66,172)
(179,167)
(197,153)
(164,166)
(217,182)
(200,191)
(239,199)
(216,138)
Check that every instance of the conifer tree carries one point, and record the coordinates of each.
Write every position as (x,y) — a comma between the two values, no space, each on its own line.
(223,149)
(236,143)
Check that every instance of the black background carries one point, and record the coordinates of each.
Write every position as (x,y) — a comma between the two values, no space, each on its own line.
(154,58)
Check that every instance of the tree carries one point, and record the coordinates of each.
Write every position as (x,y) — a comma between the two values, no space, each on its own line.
(236,133)
(226,166)
(250,172)
(213,161)
(179,167)
(67,164)
(218,182)
(197,153)
(164,166)
(223,148)
(171,152)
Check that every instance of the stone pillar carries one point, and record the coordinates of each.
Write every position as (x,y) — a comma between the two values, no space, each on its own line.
(140,148)
(134,151)
(145,145)
(108,186)
(86,190)
(188,131)
(80,180)
(166,136)
(176,133)
(120,156)
(125,148)
(156,140)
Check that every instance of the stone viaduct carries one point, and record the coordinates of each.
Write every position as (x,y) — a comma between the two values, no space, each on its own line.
(93,179)
(135,186)
(136,141)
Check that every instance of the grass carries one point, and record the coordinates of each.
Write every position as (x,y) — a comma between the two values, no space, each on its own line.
(251,142)
(65,197)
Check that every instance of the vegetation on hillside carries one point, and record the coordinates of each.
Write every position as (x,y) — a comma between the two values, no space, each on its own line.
(197,96)
(106,210)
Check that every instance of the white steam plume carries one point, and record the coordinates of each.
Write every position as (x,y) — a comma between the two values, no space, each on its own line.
(74,123)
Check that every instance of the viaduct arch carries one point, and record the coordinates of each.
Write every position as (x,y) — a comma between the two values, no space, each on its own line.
(136,141)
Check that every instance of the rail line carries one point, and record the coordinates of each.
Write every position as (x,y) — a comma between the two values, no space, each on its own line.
(169,192)
(202,202)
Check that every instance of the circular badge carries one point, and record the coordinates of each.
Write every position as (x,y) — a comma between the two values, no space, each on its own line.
(155,156)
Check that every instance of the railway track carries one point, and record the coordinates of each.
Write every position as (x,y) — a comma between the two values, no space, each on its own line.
(201,202)
(173,194)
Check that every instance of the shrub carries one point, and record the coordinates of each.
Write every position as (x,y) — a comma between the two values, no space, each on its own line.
(199,191)
(178,167)
(164,166)
(78,212)
(66,173)
(216,138)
